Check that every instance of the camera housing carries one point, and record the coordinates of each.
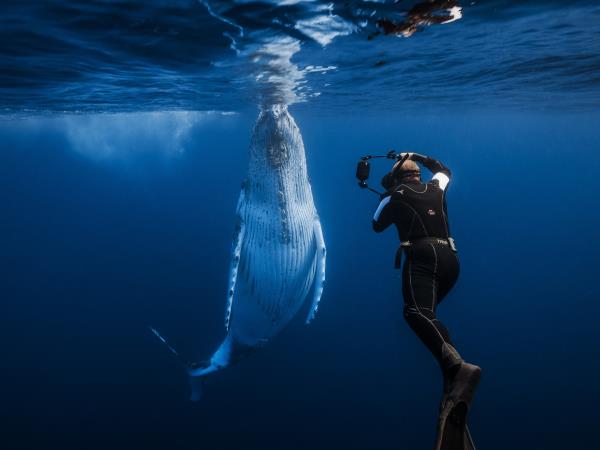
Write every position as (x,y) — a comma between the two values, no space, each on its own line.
(363,168)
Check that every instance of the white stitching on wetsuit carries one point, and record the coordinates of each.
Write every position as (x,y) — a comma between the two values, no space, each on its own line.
(416,192)
(444,215)
(435,275)
(412,292)
(416,214)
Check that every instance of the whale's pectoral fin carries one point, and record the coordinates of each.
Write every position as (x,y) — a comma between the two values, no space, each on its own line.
(320,272)
(236,250)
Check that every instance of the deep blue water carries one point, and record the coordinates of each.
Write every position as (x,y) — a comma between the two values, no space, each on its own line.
(121,216)
(94,250)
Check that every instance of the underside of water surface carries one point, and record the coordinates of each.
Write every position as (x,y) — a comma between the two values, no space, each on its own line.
(108,56)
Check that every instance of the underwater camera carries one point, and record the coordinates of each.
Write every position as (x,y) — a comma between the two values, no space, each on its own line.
(363,168)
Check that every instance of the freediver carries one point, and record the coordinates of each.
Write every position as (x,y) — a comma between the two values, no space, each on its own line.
(430,270)
(427,13)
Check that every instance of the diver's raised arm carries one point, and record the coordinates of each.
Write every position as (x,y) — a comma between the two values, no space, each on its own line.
(433,165)
(441,173)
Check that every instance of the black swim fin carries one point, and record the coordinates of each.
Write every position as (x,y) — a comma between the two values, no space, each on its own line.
(468,440)
(452,431)
(456,435)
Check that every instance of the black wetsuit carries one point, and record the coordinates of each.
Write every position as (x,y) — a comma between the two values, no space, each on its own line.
(431,265)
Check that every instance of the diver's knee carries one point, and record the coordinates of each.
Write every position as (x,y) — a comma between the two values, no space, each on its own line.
(412,312)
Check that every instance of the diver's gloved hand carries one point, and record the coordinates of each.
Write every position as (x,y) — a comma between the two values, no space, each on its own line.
(433,165)
(417,157)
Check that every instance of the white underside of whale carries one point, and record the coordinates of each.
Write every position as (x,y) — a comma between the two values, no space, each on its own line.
(278,250)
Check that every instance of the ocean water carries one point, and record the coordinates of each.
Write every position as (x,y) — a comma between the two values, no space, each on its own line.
(124,141)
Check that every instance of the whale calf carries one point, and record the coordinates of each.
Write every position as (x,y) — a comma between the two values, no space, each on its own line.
(278,250)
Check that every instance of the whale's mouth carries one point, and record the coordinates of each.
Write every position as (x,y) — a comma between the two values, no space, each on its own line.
(277,150)
(275,137)
(278,169)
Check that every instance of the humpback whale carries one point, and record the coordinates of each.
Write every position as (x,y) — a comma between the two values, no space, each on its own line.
(278,250)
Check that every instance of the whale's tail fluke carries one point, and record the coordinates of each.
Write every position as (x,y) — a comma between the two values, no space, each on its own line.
(197,388)
(196,373)
(196,370)
(195,381)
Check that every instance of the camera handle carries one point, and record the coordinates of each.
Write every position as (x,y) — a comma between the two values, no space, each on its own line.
(364,168)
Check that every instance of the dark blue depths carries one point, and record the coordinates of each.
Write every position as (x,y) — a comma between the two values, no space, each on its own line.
(96,249)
